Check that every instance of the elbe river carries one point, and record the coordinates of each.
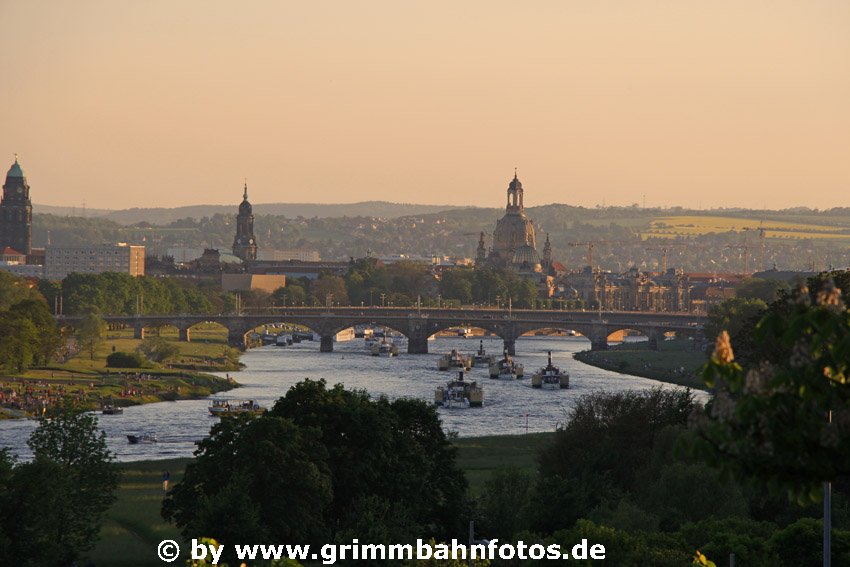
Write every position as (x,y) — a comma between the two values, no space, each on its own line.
(510,407)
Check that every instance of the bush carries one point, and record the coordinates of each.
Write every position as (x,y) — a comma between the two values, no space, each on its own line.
(127,360)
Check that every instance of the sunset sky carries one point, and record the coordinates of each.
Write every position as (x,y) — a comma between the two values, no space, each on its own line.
(165,103)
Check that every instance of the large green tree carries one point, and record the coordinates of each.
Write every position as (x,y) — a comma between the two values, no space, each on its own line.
(782,416)
(53,506)
(91,332)
(254,479)
(324,465)
(19,345)
(47,335)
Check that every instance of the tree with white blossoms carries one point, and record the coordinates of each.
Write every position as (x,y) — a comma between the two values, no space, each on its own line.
(783,419)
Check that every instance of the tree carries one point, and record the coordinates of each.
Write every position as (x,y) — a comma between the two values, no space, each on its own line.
(504,503)
(457,284)
(394,451)
(770,419)
(54,505)
(577,474)
(19,344)
(91,332)
(766,290)
(292,294)
(47,336)
(158,349)
(262,478)
(737,316)
(126,360)
(329,287)
(13,290)
(324,465)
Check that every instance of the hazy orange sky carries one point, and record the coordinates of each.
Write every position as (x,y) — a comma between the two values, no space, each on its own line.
(164,103)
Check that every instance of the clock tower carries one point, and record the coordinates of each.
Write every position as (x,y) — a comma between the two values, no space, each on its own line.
(16,211)
(245,244)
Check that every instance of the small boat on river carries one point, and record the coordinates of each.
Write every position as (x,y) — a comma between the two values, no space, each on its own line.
(459,393)
(506,368)
(144,439)
(109,409)
(384,348)
(551,377)
(228,408)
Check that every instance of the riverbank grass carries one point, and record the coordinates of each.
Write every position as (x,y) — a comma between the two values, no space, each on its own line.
(88,381)
(676,361)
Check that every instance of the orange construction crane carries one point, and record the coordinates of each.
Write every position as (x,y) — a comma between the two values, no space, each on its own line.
(592,243)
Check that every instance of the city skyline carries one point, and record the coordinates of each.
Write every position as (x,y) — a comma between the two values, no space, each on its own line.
(732,104)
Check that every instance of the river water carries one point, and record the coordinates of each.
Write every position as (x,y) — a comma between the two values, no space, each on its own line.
(510,407)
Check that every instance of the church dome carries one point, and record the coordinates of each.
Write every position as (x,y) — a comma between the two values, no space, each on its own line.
(526,256)
(15,170)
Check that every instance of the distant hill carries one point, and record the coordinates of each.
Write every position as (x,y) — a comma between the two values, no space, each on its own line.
(163,215)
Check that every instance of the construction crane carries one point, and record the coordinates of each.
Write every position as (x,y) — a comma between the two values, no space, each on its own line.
(592,243)
(761,245)
(663,250)
(746,249)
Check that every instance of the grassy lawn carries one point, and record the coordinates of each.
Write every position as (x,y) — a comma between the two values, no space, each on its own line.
(479,457)
(133,526)
(206,351)
(675,361)
(88,380)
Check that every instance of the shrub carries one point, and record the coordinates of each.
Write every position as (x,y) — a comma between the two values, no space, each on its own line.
(127,360)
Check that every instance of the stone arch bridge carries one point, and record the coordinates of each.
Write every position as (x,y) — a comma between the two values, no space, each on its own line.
(419,324)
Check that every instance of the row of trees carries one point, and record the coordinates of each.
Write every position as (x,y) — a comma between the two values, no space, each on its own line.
(119,293)
(405,283)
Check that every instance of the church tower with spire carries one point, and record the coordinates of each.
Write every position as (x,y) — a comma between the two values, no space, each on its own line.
(547,255)
(245,243)
(481,252)
(16,211)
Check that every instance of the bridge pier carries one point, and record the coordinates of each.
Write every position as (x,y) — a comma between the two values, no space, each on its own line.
(185,335)
(653,340)
(417,345)
(417,336)
(510,347)
(598,337)
(138,331)
(326,344)
(236,339)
